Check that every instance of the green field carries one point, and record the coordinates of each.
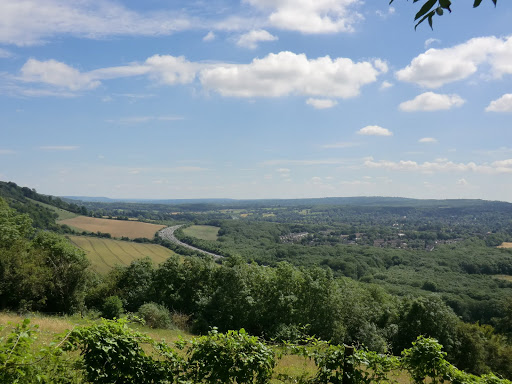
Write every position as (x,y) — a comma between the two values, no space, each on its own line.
(203,232)
(63,215)
(104,254)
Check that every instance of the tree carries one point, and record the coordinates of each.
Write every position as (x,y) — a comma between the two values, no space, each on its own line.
(431,8)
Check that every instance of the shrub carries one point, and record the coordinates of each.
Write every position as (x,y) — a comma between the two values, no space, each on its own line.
(155,315)
(112,307)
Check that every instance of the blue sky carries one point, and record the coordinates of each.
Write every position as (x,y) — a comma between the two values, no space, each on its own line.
(255,99)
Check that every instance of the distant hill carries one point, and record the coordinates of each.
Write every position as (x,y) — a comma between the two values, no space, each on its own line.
(90,199)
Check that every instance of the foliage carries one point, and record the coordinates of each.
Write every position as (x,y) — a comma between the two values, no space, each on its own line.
(20,364)
(112,308)
(155,315)
(112,353)
(233,357)
(431,8)
(425,359)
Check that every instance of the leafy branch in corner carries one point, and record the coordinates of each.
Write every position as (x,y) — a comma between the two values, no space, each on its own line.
(432,8)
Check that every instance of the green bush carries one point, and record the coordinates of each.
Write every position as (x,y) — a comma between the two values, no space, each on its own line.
(112,308)
(155,315)
(232,357)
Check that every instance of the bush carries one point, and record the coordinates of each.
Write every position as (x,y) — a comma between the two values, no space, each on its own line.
(232,357)
(112,307)
(155,315)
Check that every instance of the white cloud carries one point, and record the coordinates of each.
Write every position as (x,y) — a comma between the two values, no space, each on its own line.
(430,101)
(4,53)
(311,16)
(7,152)
(251,39)
(59,148)
(431,41)
(441,165)
(283,170)
(374,130)
(342,144)
(384,15)
(503,104)
(462,182)
(437,67)
(56,74)
(29,22)
(210,36)
(427,140)
(321,103)
(288,73)
(386,85)
(275,75)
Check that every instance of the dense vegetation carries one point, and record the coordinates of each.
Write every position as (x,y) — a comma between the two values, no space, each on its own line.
(369,275)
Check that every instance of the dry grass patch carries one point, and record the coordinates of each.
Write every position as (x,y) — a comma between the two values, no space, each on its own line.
(117,228)
(505,245)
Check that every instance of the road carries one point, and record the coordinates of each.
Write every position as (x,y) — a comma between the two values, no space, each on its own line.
(168,234)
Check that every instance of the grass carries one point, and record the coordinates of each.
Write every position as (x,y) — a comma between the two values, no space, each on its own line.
(203,232)
(104,254)
(63,214)
(117,228)
(503,277)
(505,245)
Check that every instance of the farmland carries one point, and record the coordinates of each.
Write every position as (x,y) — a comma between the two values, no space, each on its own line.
(63,214)
(505,245)
(104,254)
(203,232)
(117,228)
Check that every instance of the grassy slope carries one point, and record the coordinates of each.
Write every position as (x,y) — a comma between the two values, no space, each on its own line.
(104,254)
(203,232)
(63,214)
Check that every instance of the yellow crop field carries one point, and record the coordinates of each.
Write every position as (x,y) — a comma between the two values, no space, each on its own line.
(203,232)
(104,254)
(117,228)
(505,245)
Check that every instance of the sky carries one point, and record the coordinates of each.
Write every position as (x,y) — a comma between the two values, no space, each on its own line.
(248,99)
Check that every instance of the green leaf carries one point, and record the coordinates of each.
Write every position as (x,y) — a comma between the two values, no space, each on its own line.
(477,3)
(426,7)
(427,16)
(445,4)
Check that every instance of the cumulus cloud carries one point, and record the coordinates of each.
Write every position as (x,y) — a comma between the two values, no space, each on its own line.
(431,41)
(503,104)
(288,73)
(251,39)
(311,16)
(321,103)
(427,140)
(210,36)
(57,74)
(430,101)
(437,67)
(441,165)
(385,85)
(275,75)
(29,22)
(374,130)
(4,53)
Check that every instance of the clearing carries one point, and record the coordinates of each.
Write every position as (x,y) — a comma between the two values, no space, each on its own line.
(104,254)
(203,232)
(505,245)
(117,228)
